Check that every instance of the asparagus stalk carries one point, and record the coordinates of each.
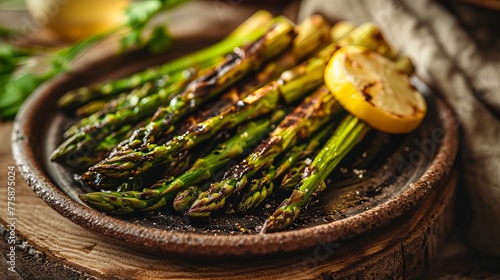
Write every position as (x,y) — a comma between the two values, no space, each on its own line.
(181,163)
(157,196)
(305,149)
(300,124)
(276,39)
(112,106)
(91,108)
(341,29)
(88,140)
(243,34)
(261,188)
(294,175)
(350,131)
(185,198)
(88,158)
(299,160)
(158,90)
(236,66)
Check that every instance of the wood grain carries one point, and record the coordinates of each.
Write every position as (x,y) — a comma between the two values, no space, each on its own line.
(51,246)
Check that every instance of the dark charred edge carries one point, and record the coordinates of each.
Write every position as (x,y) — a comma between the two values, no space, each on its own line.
(377,35)
(309,107)
(219,108)
(366,94)
(253,48)
(200,85)
(199,130)
(211,110)
(237,171)
(262,91)
(97,181)
(267,145)
(125,143)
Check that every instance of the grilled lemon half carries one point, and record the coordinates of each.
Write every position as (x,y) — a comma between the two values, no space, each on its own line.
(374,89)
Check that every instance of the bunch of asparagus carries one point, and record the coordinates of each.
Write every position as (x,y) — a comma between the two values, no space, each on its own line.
(255,100)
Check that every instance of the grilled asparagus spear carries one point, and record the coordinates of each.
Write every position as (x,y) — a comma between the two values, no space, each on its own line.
(260,189)
(243,34)
(185,198)
(158,195)
(249,58)
(87,141)
(295,168)
(238,64)
(305,119)
(350,131)
(157,90)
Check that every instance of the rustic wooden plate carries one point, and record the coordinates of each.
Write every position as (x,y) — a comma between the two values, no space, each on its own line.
(356,201)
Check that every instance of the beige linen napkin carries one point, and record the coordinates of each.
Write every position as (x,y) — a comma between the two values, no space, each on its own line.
(470,82)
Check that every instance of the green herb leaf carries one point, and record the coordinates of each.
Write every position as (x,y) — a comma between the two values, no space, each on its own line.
(160,40)
(138,16)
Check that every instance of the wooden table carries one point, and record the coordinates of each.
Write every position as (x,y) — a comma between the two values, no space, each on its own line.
(51,246)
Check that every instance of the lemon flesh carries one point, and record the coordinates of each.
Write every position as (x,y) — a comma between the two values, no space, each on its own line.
(373,88)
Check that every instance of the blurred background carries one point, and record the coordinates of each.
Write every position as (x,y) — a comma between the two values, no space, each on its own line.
(35,34)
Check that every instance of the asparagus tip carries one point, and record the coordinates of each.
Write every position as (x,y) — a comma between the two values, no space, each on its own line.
(72,97)
(97,200)
(286,213)
(201,208)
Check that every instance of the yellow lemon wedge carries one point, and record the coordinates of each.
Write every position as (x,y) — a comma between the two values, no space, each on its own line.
(374,89)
